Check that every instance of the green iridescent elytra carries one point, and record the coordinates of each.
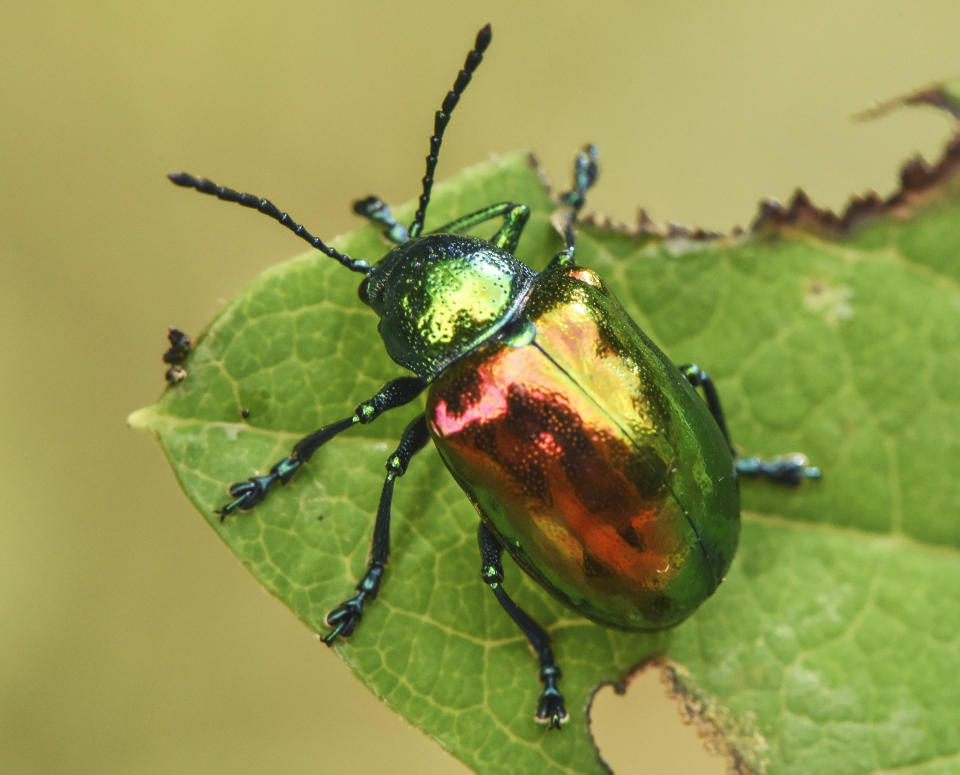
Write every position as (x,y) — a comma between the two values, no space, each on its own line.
(591,458)
(588,455)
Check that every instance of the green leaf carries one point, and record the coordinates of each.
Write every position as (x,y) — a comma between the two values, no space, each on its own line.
(832,647)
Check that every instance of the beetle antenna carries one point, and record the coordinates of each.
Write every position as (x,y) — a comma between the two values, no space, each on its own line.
(267,207)
(442,118)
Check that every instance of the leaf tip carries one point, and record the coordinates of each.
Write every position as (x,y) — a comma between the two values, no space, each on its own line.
(141,419)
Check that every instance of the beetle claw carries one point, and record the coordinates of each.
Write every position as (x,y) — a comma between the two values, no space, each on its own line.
(551,710)
(246,494)
(344,619)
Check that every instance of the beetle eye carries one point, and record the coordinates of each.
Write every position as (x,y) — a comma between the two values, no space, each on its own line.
(363,290)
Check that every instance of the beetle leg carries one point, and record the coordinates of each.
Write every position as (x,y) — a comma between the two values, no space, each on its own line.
(248,494)
(787,469)
(584,176)
(514,219)
(344,618)
(550,708)
(700,379)
(378,211)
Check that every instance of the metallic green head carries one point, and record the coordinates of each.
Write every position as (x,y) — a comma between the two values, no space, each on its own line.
(440,296)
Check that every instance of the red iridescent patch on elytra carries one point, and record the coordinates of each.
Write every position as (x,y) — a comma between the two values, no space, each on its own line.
(568,493)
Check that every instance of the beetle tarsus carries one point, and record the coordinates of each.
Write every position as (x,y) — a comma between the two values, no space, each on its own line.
(790,469)
(584,176)
(345,617)
(551,709)
(247,494)
(378,211)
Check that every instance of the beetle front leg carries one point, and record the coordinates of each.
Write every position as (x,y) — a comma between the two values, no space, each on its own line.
(514,219)
(789,469)
(550,708)
(345,617)
(248,494)
(585,172)
(378,211)
(584,176)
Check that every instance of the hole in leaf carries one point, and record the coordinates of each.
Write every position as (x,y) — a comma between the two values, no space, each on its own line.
(642,731)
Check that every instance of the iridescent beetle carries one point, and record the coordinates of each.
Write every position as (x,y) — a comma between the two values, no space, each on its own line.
(587,453)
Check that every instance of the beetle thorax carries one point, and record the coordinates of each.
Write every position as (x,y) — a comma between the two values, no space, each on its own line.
(440,296)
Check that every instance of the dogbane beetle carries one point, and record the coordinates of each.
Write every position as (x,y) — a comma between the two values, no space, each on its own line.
(589,456)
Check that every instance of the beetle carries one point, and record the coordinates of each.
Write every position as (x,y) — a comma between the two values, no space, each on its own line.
(589,456)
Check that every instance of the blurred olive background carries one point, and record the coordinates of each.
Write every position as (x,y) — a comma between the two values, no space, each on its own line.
(132,641)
